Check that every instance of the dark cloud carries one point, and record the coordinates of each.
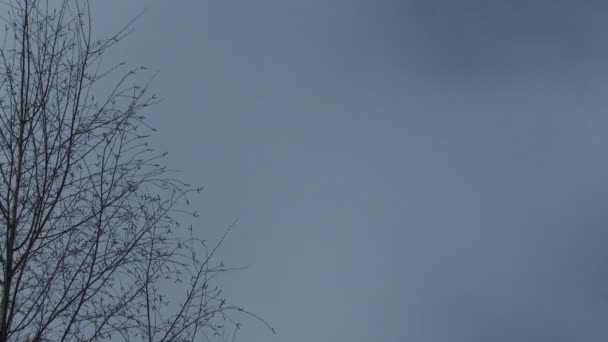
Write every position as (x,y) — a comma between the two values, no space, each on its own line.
(404,170)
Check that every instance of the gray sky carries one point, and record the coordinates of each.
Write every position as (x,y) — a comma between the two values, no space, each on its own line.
(423,171)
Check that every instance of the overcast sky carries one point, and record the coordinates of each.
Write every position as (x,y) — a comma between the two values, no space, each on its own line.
(424,170)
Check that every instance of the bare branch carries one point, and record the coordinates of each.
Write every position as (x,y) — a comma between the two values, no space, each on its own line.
(90,234)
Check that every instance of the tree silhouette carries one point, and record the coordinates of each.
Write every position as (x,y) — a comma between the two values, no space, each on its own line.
(89,217)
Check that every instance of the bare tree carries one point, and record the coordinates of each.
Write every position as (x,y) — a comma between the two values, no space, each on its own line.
(89,217)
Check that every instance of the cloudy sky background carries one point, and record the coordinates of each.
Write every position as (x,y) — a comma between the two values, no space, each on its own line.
(424,170)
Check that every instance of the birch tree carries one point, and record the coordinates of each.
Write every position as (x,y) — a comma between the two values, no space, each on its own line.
(90,234)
